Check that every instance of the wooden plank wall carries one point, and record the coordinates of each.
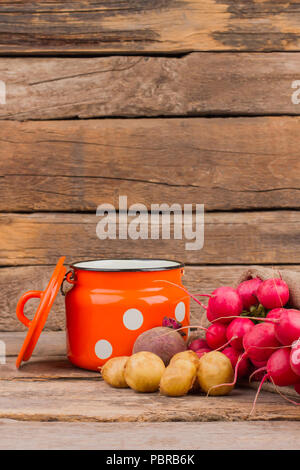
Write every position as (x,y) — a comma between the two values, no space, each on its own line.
(162,101)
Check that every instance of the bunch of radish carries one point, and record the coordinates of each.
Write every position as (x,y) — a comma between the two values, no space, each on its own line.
(265,348)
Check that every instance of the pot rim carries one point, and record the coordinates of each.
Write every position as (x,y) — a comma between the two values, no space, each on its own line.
(173,265)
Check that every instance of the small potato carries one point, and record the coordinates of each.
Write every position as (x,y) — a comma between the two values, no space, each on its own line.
(113,371)
(214,369)
(188,355)
(143,371)
(178,378)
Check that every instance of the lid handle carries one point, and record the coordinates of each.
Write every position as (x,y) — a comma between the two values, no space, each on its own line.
(31,294)
(70,277)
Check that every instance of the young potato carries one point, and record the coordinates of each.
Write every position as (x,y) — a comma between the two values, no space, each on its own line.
(113,372)
(143,371)
(215,369)
(178,378)
(188,355)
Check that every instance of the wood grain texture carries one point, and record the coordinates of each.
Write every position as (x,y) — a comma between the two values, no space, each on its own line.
(50,367)
(49,362)
(50,343)
(158,26)
(259,435)
(230,238)
(14,281)
(94,400)
(31,394)
(289,392)
(195,84)
(226,164)
(44,368)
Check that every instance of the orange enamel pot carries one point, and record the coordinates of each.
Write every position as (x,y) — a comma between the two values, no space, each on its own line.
(109,304)
(112,302)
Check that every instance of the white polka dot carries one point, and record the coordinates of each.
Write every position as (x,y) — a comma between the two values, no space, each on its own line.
(180,311)
(103,349)
(133,319)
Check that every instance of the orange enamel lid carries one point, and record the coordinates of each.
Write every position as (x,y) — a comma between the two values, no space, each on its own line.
(36,325)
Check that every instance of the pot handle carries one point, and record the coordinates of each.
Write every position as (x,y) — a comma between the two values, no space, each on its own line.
(70,277)
(32,294)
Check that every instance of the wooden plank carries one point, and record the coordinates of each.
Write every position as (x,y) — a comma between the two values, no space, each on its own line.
(94,400)
(226,164)
(195,84)
(259,435)
(50,343)
(50,367)
(234,238)
(49,362)
(44,368)
(289,392)
(14,281)
(89,27)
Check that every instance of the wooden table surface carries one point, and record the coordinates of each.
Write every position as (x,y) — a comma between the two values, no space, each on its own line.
(54,405)
(191,102)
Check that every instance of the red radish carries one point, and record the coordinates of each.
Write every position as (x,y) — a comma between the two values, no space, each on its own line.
(275,313)
(247,291)
(224,302)
(258,374)
(233,355)
(237,329)
(259,364)
(297,388)
(295,358)
(202,351)
(279,368)
(216,335)
(287,330)
(198,343)
(273,293)
(278,371)
(260,342)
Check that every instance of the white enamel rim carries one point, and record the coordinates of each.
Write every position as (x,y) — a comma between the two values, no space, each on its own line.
(127,265)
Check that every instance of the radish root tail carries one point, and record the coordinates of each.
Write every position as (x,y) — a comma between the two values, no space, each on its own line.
(265,377)
(297,403)
(185,290)
(226,344)
(256,372)
(267,320)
